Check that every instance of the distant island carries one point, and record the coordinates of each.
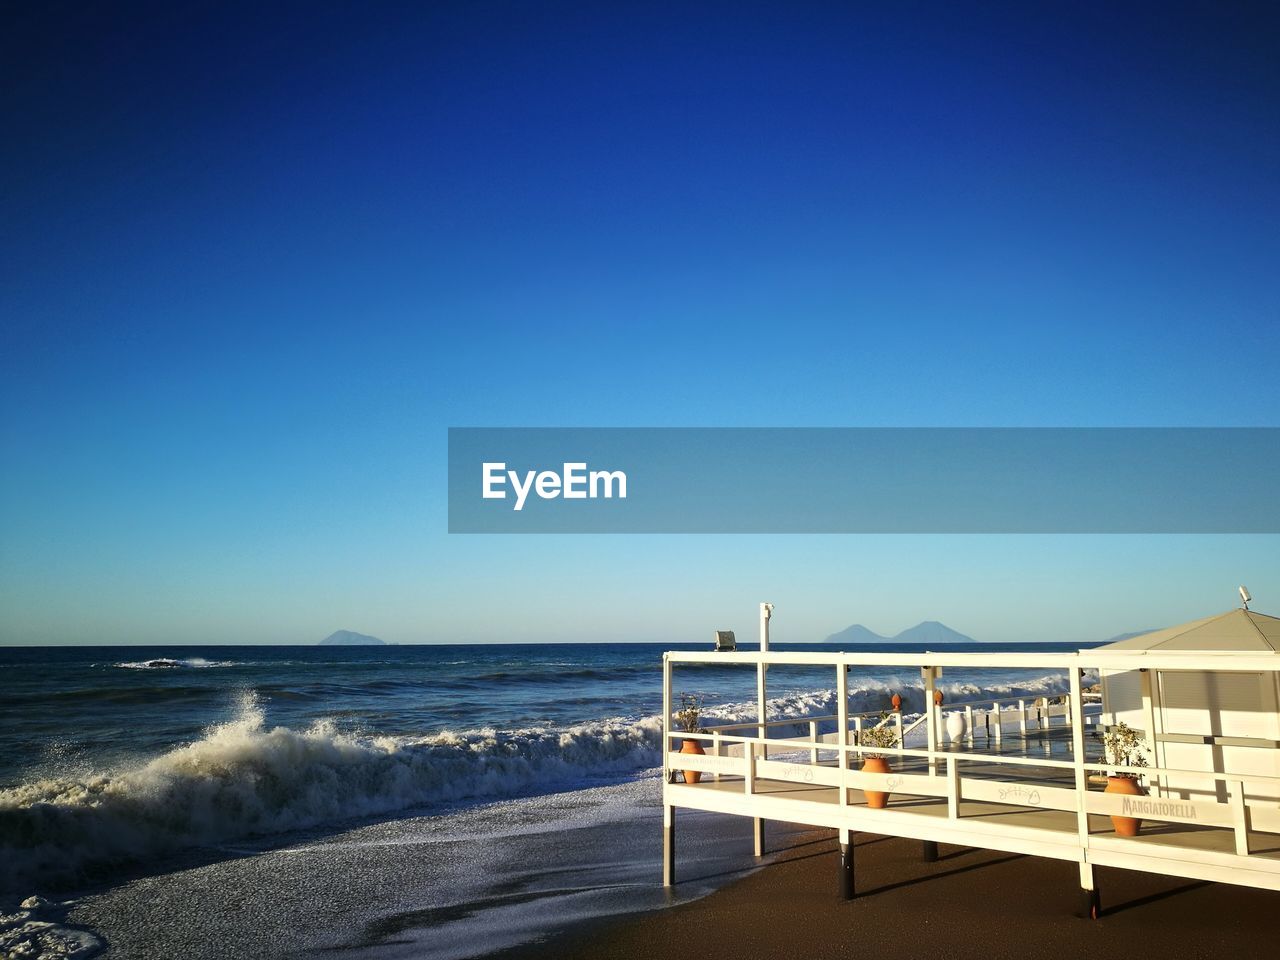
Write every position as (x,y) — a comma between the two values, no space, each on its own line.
(349,638)
(929,631)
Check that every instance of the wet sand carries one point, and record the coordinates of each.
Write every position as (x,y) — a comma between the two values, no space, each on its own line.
(970,903)
(446,885)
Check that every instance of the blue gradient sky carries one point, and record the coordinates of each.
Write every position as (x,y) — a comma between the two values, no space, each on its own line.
(253,264)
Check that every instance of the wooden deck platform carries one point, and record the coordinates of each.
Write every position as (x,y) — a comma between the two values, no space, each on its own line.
(1030,790)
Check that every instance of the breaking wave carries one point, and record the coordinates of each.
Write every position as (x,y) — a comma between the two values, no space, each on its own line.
(244,779)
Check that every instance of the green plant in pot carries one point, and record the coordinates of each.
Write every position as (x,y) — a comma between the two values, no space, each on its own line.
(1125,747)
(881,737)
(689,720)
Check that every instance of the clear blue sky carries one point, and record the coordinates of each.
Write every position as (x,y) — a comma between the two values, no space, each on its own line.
(253,263)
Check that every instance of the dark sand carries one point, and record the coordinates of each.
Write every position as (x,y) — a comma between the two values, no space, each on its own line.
(970,903)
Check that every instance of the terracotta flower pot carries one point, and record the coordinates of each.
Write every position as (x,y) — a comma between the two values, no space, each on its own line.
(692,746)
(1127,786)
(876,799)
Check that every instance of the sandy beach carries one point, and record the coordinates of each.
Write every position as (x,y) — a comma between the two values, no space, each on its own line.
(970,903)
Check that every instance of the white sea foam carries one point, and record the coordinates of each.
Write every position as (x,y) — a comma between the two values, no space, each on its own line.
(37,931)
(171,663)
(245,779)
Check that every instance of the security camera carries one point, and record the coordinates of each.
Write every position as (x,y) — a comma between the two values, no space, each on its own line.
(1244,597)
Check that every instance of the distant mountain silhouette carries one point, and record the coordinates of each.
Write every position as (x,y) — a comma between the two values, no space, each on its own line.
(349,638)
(929,631)
(856,634)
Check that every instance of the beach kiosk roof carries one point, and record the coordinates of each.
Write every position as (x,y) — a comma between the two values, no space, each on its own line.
(1236,631)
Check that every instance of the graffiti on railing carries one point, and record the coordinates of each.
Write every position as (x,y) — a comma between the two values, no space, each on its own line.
(1017,793)
(798,772)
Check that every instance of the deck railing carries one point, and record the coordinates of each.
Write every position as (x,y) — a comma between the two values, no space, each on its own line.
(986,718)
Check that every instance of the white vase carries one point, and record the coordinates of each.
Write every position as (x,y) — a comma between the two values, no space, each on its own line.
(955,726)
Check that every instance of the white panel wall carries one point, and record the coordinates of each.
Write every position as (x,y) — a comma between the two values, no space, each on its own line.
(1196,703)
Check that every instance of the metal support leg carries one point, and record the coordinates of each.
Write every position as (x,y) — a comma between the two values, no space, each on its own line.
(1090,898)
(929,851)
(668,846)
(1092,902)
(758,832)
(846,865)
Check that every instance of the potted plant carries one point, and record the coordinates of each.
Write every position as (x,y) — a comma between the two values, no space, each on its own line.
(1123,747)
(688,719)
(880,737)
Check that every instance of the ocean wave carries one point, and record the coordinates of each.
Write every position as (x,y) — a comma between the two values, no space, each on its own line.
(244,779)
(171,663)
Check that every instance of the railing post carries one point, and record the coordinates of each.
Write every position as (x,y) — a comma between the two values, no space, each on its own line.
(761,697)
(1239,816)
(1087,884)
(842,721)
(931,715)
(762,670)
(968,723)
(999,721)
(897,720)
(1022,717)
(953,787)
(666,718)
(717,748)
(757,823)
(813,738)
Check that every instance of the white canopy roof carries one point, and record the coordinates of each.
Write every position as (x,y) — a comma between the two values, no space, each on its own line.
(1236,631)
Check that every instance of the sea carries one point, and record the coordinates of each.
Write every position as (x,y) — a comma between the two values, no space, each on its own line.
(417,801)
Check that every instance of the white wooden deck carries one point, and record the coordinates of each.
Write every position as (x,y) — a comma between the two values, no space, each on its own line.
(1026,791)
